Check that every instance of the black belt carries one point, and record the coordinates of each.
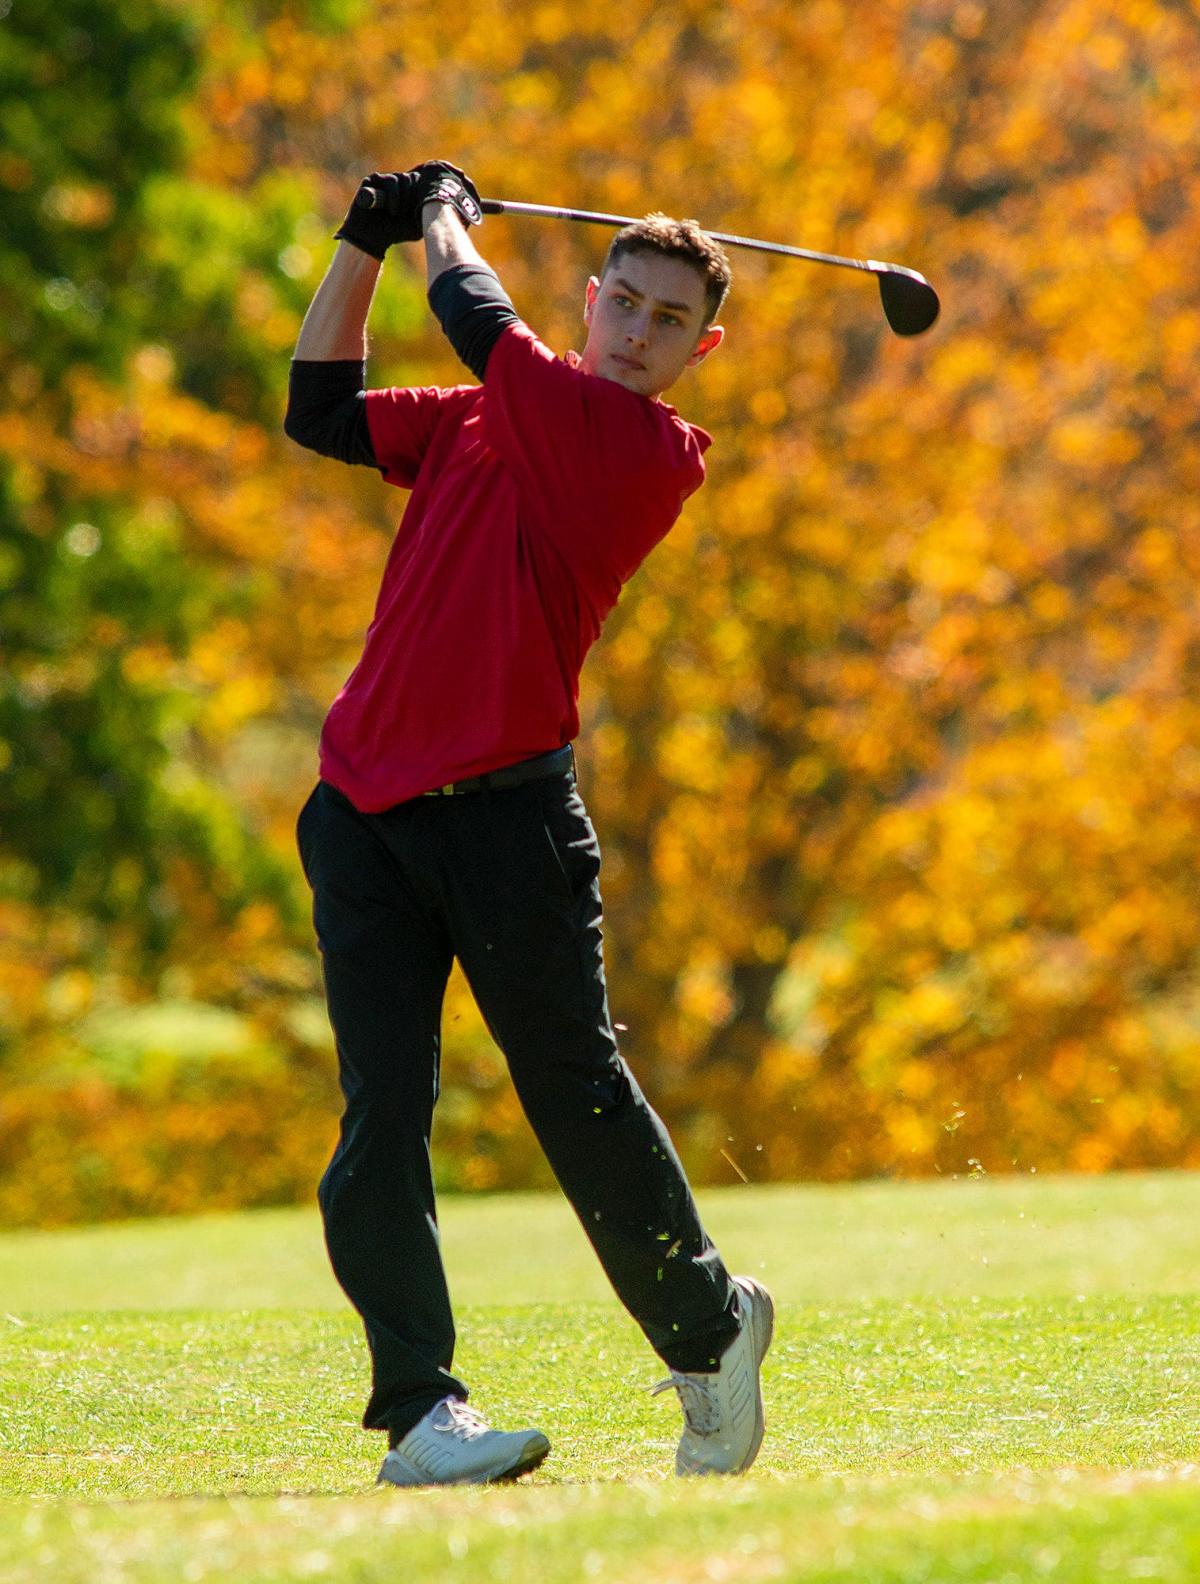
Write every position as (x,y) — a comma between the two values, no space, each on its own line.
(556,763)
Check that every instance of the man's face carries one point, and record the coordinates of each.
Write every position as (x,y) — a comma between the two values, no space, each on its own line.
(645,321)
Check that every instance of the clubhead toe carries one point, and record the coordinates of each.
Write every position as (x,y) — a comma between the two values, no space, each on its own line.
(910,303)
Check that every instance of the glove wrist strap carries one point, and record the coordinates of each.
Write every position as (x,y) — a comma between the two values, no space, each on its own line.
(449,191)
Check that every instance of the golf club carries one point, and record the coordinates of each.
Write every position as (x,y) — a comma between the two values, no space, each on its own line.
(910,303)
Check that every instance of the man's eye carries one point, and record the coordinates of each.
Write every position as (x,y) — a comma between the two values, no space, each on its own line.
(671,319)
(622,301)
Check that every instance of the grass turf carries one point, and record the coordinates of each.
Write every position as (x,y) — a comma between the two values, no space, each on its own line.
(971,1381)
(1006,1236)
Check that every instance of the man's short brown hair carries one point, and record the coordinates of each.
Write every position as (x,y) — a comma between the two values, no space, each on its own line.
(681,239)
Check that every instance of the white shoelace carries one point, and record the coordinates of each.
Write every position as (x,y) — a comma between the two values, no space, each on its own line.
(700,1410)
(461,1420)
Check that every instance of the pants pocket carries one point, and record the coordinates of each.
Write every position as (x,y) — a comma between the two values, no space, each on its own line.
(570,835)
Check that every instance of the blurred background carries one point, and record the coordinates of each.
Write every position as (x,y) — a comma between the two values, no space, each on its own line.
(893,745)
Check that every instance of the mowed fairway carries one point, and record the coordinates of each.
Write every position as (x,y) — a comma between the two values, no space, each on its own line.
(975,1380)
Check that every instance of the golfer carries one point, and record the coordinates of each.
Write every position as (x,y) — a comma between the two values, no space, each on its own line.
(446,822)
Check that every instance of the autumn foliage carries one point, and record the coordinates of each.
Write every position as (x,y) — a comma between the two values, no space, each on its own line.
(894,744)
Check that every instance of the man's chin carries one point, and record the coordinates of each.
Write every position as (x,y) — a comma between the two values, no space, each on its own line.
(632,379)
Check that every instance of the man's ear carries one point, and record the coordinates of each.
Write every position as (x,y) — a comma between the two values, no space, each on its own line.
(593,286)
(708,342)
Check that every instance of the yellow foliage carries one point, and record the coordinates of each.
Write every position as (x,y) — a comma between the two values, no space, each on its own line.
(893,744)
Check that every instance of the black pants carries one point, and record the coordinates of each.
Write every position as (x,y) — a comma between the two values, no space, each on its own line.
(507,881)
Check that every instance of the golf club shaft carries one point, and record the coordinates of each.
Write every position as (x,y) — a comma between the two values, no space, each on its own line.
(591,216)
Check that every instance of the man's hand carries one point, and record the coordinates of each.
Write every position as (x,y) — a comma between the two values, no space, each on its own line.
(441,183)
(387,206)
(384,211)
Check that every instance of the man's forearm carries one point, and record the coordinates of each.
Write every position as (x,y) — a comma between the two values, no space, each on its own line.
(335,326)
(470,303)
(447,242)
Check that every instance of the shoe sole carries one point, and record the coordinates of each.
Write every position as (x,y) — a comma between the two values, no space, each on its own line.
(526,1465)
(532,1457)
(762,1331)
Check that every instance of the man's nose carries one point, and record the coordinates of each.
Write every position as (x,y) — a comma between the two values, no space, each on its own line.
(637,331)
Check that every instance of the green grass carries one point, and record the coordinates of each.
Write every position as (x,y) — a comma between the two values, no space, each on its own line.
(990,1381)
(1003,1236)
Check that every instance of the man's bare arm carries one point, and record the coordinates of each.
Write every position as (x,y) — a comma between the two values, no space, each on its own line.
(447,242)
(335,326)
(325,411)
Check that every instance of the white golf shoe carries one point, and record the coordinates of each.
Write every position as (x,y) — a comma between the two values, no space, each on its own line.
(723,1412)
(453,1445)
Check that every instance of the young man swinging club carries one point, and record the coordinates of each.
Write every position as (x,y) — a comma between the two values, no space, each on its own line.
(446,822)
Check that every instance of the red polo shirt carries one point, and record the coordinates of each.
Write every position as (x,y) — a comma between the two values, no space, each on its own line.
(535,496)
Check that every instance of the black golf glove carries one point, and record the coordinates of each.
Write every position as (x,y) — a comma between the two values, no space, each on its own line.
(387,206)
(384,211)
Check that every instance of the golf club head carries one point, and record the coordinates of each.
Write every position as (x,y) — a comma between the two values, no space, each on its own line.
(910,303)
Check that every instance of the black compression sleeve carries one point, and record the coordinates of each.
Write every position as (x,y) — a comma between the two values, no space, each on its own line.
(474,310)
(327,410)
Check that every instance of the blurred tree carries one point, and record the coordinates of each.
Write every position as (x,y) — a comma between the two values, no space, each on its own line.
(116,837)
(893,744)
(931,584)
